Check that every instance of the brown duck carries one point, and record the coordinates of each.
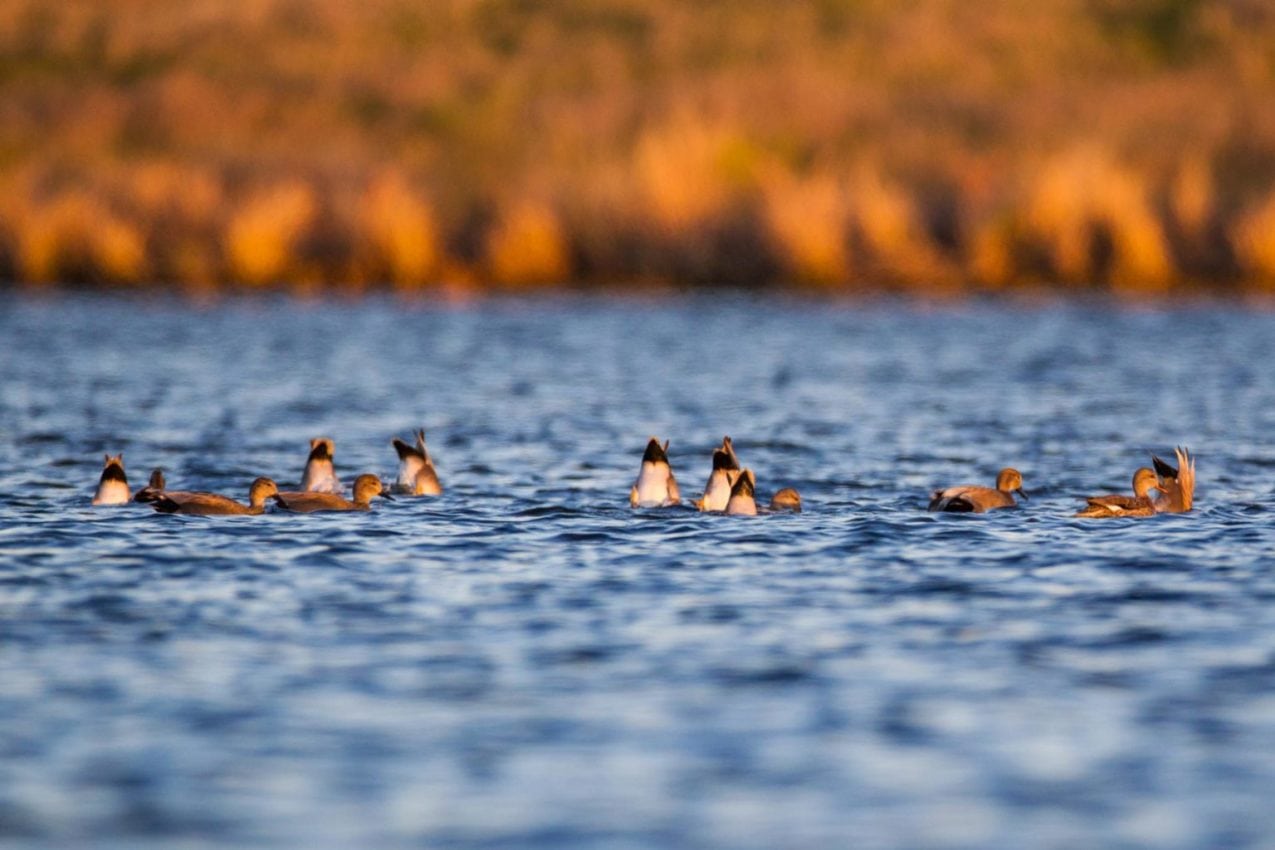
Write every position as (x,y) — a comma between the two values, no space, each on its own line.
(1116,505)
(366,488)
(972,499)
(213,504)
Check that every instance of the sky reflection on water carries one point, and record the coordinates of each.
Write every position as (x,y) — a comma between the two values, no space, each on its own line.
(527,662)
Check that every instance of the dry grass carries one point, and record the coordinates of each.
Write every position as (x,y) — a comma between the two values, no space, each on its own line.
(808,220)
(73,236)
(526,247)
(264,236)
(1095,223)
(399,232)
(838,145)
(1254,238)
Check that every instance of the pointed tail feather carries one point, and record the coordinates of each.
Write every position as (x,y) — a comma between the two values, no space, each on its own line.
(404,450)
(1185,496)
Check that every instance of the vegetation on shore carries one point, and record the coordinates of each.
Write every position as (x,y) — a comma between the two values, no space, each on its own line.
(930,146)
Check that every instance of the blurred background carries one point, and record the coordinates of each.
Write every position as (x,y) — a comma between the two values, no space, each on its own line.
(455,146)
(525,662)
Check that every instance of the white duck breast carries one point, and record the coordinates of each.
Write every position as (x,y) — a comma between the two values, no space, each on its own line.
(656,485)
(717,491)
(320,474)
(112,487)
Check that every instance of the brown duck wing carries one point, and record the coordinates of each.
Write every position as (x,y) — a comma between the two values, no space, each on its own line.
(970,500)
(198,504)
(147,495)
(958,505)
(169,501)
(1116,505)
(950,499)
(309,502)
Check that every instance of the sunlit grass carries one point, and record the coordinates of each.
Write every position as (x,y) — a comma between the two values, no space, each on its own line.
(400,234)
(263,236)
(930,146)
(1254,238)
(526,247)
(809,221)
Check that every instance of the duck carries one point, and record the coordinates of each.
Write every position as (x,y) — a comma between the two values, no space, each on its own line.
(112,487)
(416,475)
(721,479)
(742,500)
(972,499)
(1139,504)
(1177,484)
(786,499)
(153,488)
(213,504)
(319,475)
(366,488)
(656,486)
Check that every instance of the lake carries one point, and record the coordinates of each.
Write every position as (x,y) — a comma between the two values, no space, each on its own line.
(527,662)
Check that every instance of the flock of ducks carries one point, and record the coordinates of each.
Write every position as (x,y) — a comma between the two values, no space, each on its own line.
(731,489)
(1174,488)
(320,489)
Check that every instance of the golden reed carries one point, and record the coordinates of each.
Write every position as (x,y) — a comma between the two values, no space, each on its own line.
(834,146)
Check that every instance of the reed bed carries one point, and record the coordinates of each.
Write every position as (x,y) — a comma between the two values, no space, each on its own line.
(837,146)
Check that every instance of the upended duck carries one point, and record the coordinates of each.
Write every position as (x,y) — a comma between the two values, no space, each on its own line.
(656,486)
(320,475)
(743,501)
(112,486)
(416,475)
(721,479)
(743,498)
(973,499)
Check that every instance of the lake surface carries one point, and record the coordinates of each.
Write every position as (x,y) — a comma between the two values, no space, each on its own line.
(526,662)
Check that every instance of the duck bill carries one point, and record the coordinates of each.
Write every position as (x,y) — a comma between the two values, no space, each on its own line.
(1020,491)
(385,494)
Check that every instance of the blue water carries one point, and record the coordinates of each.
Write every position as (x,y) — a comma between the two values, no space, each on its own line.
(526,662)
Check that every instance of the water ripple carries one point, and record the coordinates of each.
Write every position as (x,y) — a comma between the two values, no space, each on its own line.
(527,662)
